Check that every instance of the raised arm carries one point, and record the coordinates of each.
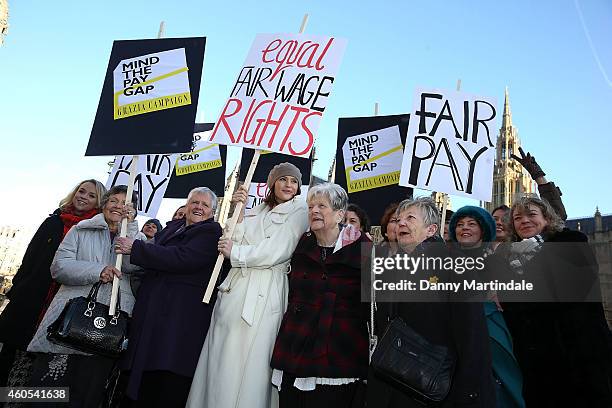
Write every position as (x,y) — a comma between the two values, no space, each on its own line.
(548,191)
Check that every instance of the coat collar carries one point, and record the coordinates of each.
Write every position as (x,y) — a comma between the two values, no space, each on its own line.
(283,208)
(177,227)
(96,222)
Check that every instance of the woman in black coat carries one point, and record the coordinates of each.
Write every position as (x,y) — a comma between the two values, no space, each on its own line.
(460,327)
(169,320)
(33,289)
(561,342)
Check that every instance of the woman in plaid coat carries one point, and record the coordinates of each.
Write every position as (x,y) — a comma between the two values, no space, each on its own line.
(321,351)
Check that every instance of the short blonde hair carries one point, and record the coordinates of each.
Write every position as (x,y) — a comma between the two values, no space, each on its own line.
(100,191)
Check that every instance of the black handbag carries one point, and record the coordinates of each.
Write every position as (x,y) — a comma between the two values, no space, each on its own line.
(408,361)
(85,325)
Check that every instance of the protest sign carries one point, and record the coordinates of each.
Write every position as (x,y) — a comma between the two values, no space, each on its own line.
(149,97)
(373,187)
(268,160)
(259,191)
(450,147)
(202,166)
(151,180)
(281,92)
(373,159)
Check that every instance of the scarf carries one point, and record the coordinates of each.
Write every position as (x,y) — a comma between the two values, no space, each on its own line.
(69,220)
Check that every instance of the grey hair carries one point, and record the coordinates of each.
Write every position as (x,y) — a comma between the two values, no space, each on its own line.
(118,189)
(428,208)
(205,190)
(334,193)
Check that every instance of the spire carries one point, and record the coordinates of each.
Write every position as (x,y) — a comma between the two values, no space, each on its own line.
(507,118)
(4,15)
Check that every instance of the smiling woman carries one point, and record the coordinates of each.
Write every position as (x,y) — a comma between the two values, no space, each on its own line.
(564,348)
(170,320)
(234,367)
(33,288)
(84,257)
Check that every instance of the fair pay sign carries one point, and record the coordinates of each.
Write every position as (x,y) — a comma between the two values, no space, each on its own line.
(449,147)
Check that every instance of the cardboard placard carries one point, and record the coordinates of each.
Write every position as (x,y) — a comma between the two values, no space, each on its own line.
(203,166)
(373,159)
(268,160)
(374,199)
(150,182)
(451,146)
(280,94)
(149,97)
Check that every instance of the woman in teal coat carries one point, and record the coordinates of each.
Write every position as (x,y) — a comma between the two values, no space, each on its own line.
(473,230)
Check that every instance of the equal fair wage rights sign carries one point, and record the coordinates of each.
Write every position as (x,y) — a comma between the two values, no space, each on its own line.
(450,146)
(281,92)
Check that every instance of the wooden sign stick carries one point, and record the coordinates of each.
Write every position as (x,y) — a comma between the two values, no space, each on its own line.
(229,231)
(112,308)
(123,233)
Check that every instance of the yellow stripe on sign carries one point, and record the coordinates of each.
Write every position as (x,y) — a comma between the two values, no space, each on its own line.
(178,158)
(150,81)
(370,160)
(374,182)
(194,168)
(152,105)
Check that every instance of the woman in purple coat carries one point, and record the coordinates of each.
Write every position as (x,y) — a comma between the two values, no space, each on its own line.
(170,321)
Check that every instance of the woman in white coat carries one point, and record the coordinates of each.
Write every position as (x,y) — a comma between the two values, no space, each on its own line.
(234,367)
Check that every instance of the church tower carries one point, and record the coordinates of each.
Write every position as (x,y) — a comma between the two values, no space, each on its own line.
(510,180)
(4,16)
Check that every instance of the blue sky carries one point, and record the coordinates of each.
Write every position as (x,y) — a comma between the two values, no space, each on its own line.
(55,56)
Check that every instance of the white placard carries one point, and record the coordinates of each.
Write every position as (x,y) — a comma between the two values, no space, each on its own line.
(203,156)
(281,92)
(373,159)
(154,171)
(150,83)
(450,146)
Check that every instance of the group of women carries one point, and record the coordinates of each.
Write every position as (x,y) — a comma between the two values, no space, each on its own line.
(287,326)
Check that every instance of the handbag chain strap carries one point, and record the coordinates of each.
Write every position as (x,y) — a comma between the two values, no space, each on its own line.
(372,333)
(92,298)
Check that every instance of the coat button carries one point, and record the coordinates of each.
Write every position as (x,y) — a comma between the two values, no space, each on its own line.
(473,395)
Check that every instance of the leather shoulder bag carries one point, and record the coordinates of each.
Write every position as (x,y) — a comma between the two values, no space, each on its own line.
(85,325)
(406,360)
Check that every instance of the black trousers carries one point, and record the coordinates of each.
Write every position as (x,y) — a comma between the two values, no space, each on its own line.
(162,389)
(7,357)
(85,376)
(323,396)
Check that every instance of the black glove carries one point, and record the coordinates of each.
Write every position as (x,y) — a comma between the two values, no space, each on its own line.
(529,163)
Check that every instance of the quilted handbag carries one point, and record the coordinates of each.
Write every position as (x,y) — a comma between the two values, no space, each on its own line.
(85,325)
(408,361)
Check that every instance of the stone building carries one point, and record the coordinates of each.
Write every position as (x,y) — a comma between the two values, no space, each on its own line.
(599,231)
(13,244)
(510,179)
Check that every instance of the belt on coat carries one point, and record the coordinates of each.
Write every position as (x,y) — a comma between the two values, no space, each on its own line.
(255,280)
